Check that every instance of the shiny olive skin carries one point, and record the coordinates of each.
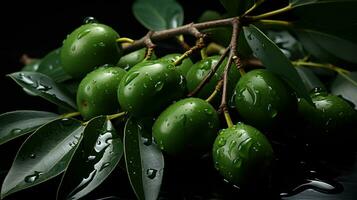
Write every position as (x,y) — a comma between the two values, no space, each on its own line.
(186,128)
(149,87)
(242,155)
(97,92)
(182,67)
(263,100)
(131,59)
(199,71)
(89,46)
(331,113)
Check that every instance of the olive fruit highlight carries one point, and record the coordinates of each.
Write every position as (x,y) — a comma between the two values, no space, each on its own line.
(149,87)
(186,128)
(242,155)
(182,67)
(331,113)
(97,92)
(89,46)
(263,100)
(131,59)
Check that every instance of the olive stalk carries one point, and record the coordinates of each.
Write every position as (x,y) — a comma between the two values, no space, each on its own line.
(72,114)
(215,91)
(124,40)
(233,57)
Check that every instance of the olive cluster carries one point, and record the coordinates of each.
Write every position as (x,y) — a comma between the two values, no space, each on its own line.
(157,88)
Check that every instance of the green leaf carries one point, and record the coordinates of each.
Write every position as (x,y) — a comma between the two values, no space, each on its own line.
(16,123)
(44,87)
(346,86)
(287,44)
(51,66)
(95,158)
(144,161)
(274,59)
(341,48)
(158,14)
(44,155)
(310,80)
(236,7)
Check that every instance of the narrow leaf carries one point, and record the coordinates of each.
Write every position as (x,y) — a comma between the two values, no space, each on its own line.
(334,45)
(16,123)
(274,59)
(51,66)
(311,81)
(44,155)
(44,87)
(144,161)
(95,158)
(158,14)
(346,86)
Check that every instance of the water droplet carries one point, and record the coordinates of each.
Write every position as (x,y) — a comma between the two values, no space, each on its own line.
(90,158)
(328,187)
(42,87)
(237,163)
(32,155)
(221,141)
(131,77)
(272,112)
(73,48)
(82,34)
(250,37)
(105,165)
(134,172)
(89,20)
(16,131)
(158,86)
(33,177)
(208,111)
(250,95)
(66,122)
(101,44)
(210,125)
(26,79)
(151,173)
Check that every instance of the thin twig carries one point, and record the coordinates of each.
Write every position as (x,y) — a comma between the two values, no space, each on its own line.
(185,29)
(210,73)
(149,44)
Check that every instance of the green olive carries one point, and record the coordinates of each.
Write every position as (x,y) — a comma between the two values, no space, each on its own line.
(187,127)
(199,71)
(331,113)
(89,46)
(97,92)
(131,59)
(182,67)
(242,154)
(263,100)
(149,87)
